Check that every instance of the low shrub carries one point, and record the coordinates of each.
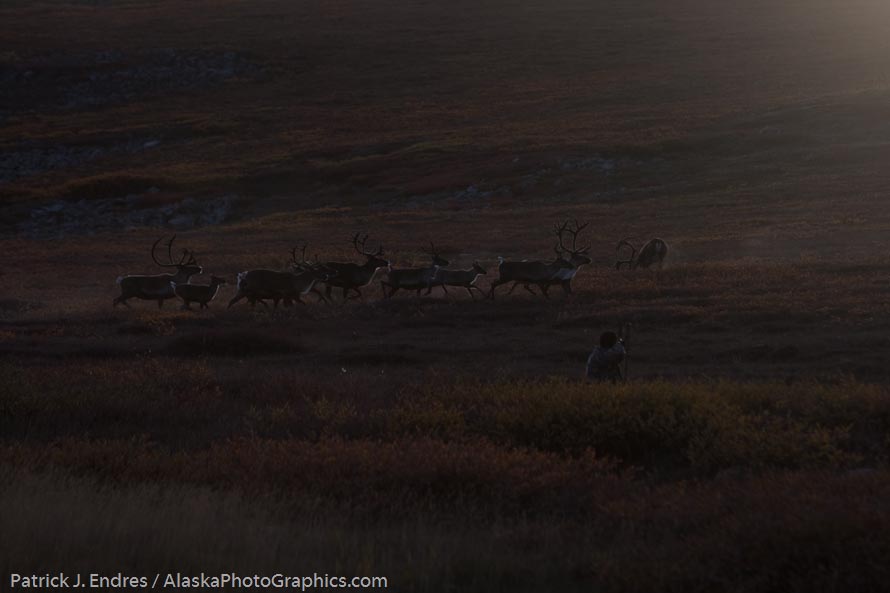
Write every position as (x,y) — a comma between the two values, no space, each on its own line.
(233,343)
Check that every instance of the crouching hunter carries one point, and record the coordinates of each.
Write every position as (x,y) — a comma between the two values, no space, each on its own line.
(604,363)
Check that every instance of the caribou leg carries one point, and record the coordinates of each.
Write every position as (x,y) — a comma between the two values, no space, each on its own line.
(494,285)
(358,292)
(320,296)
(121,299)
(392,289)
(253,301)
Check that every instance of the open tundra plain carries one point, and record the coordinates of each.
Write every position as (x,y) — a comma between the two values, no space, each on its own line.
(447,443)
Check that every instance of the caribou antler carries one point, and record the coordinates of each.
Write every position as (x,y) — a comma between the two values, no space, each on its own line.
(359,245)
(171,263)
(187,258)
(302,263)
(574,230)
(633,252)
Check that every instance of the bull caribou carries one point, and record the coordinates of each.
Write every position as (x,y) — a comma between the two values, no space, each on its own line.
(159,287)
(351,276)
(568,267)
(414,278)
(258,285)
(546,274)
(652,253)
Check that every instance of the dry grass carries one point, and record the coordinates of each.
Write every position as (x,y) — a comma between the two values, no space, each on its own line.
(733,487)
(526,485)
(798,532)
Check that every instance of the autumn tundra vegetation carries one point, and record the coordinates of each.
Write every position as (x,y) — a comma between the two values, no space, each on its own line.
(712,173)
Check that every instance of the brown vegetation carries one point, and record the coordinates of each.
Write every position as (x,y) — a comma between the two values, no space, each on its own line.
(520,484)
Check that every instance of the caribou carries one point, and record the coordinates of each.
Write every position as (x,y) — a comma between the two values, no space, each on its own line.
(351,276)
(545,274)
(159,287)
(652,253)
(459,278)
(568,267)
(414,278)
(258,285)
(194,293)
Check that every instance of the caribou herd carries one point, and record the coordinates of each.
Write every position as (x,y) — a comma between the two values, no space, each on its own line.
(320,278)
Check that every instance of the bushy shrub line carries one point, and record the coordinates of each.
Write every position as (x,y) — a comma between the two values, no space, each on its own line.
(686,429)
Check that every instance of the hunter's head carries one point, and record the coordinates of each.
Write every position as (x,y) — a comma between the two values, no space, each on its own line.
(608,339)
